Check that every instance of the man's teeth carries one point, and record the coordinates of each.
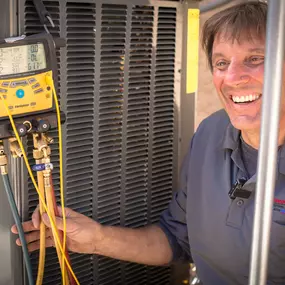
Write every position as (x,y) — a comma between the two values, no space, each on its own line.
(247,98)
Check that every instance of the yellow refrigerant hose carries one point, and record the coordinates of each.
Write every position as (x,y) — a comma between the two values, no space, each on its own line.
(49,200)
(49,81)
(42,252)
(41,196)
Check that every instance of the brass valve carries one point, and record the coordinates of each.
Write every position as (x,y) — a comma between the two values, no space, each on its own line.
(15,148)
(37,154)
(39,141)
(41,147)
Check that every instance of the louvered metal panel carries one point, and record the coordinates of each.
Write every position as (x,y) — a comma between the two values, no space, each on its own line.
(116,78)
(138,129)
(80,31)
(113,35)
(79,109)
(138,117)
(163,121)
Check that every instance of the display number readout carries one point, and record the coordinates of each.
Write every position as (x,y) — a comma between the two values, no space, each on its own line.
(22,59)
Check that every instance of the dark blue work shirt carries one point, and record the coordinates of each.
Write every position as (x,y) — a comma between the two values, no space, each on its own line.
(205,226)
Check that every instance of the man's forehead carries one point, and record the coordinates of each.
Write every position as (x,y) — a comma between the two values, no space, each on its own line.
(242,36)
(246,42)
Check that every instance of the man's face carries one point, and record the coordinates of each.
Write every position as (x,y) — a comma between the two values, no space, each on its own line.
(238,69)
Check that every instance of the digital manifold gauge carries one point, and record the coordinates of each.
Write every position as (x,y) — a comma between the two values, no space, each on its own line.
(25,65)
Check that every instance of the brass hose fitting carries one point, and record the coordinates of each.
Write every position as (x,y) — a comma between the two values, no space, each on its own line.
(3,160)
(15,148)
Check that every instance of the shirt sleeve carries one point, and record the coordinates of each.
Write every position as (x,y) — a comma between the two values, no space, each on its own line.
(173,219)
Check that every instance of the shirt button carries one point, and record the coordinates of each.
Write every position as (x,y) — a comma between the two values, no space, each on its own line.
(240,203)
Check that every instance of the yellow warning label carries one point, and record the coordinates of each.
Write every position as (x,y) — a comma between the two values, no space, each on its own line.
(192,50)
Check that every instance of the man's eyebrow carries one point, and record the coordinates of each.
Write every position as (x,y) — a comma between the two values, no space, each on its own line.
(258,50)
(218,54)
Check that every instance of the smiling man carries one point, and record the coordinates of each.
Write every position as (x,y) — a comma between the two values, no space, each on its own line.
(208,221)
(235,52)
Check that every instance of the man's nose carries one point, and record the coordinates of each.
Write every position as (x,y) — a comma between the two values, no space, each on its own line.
(236,74)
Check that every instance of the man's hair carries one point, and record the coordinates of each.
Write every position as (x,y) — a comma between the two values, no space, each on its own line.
(242,20)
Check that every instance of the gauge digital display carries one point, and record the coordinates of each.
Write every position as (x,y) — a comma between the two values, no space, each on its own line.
(22,59)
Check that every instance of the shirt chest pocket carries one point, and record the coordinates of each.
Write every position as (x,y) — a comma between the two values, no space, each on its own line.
(238,206)
(235,215)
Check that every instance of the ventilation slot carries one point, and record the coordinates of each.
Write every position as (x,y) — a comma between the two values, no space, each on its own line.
(135,274)
(163,127)
(159,276)
(137,154)
(80,34)
(110,111)
(80,105)
(138,116)
(109,271)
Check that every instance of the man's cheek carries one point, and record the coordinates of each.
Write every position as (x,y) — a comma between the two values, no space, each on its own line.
(217,81)
(259,74)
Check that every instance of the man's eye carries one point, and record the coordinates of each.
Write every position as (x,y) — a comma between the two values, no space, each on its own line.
(221,64)
(256,59)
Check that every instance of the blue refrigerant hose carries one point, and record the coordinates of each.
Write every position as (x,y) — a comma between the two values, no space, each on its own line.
(17,219)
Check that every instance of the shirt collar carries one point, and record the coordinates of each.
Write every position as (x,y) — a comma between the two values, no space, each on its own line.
(230,140)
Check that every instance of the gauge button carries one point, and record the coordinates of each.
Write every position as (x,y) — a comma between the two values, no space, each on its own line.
(6,84)
(36,86)
(39,91)
(20,93)
(32,80)
(19,83)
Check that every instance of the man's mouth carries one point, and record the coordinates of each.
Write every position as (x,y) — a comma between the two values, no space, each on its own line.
(245,98)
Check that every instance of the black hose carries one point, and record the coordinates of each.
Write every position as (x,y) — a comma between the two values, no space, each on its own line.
(17,219)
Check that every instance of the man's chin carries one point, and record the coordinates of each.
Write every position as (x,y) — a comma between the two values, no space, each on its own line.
(245,123)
